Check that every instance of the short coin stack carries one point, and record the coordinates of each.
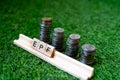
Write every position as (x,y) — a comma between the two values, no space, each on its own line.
(45,29)
(58,39)
(87,54)
(73,45)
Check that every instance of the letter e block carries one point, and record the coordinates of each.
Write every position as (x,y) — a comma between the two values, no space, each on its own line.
(35,43)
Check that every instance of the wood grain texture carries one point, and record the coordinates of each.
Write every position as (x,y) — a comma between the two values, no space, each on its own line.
(61,61)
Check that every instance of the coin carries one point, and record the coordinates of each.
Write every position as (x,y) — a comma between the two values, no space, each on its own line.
(58,38)
(45,29)
(87,54)
(73,45)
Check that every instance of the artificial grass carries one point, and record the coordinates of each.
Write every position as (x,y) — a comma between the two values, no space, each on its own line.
(96,21)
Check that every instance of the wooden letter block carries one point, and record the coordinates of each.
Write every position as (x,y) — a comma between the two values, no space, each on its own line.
(35,43)
(49,51)
(42,46)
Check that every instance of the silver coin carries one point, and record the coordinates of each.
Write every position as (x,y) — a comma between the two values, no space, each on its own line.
(89,48)
(58,38)
(73,45)
(87,54)
(59,30)
(45,29)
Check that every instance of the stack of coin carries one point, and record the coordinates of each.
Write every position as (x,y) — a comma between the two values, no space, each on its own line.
(58,39)
(87,54)
(73,45)
(45,29)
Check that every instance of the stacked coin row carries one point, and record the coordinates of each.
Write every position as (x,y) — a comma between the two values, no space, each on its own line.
(58,38)
(73,45)
(45,29)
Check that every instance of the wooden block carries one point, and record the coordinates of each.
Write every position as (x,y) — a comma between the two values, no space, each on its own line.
(61,61)
(42,47)
(49,51)
(35,43)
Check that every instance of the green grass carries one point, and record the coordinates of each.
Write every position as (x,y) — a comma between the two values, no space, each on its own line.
(97,21)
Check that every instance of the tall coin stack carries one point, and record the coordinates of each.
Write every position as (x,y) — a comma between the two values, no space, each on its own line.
(45,29)
(73,45)
(87,54)
(58,38)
